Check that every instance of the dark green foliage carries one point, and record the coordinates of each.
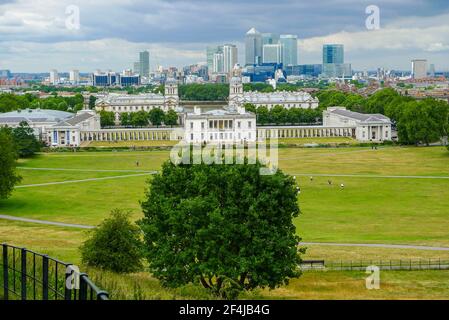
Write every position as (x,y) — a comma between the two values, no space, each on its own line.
(25,141)
(204,92)
(92,100)
(8,156)
(125,119)
(114,245)
(224,226)
(107,118)
(171,118)
(280,116)
(156,116)
(139,118)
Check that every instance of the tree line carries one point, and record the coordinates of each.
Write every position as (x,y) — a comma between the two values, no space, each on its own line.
(11,102)
(417,121)
(141,118)
(279,115)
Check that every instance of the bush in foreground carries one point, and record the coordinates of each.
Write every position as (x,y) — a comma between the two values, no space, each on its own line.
(115,245)
(8,156)
(224,226)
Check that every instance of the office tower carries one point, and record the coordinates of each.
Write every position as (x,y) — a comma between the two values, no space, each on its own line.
(253,47)
(218,63)
(6,74)
(229,57)
(54,77)
(289,44)
(334,65)
(333,53)
(270,38)
(419,69)
(136,67)
(272,53)
(74,76)
(210,52)
(144,64)
(432,71)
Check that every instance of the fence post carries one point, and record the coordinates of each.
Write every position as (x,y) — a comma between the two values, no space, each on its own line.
(83,287)
(23,270)
(67,290)
(45,277)
(5,271)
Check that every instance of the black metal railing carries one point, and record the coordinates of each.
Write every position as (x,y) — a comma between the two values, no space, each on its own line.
(28,275)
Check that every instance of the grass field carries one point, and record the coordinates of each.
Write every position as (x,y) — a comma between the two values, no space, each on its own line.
(392,195)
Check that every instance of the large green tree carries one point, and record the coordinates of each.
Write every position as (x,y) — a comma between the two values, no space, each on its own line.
(139,118)
(156,116)
(171,118)
(225,226)
(25,140)
(107,118)
(8,156)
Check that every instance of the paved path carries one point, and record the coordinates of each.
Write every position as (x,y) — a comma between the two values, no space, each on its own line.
(59,224)
(377,245)
(83,180)
(86,170)
(373,176)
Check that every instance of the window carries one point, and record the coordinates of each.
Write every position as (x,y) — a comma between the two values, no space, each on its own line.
(191,125)
(202,125)
(238,124)
(202,136)
(211,124)
(386,134)
(249,124)
(249,135)
(191,136)
(230,124)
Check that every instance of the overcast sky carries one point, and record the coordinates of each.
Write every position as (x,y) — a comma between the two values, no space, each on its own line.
(34,36)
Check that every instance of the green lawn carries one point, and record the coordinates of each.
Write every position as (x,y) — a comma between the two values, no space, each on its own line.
(372,208)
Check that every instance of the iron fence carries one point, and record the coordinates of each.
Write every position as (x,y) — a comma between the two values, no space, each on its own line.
(361,265)
(28,275)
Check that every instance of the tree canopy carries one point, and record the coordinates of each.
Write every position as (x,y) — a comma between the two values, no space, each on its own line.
(224,226)
(8,156)
(25,140)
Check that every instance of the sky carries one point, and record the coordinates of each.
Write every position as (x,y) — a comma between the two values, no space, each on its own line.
(39,35)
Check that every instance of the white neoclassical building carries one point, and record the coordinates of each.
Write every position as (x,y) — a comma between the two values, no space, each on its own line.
(286,99)
(221,125)
(119,103)
(67,133)
(365,127)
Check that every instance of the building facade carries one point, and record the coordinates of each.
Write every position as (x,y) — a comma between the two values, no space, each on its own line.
(253,47)
(419,69)
(289,43)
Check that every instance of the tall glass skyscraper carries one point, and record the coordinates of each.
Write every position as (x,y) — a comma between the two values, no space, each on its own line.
(253,47)
(270,38)
(144,64)
(333,53)
(289,44)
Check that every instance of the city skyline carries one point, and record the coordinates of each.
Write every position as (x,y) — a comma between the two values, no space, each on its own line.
(37,40)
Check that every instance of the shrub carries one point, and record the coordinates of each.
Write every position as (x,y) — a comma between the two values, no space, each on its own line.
(115,245)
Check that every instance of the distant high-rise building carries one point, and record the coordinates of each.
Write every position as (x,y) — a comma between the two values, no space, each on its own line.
(272,53)
(218,63)
(253,47)
(334,65)
(74,76)
(229,57)
(419,69)
(333,53)
(5,74)
(432,71)
(136,67)
(270,38)
(144,64)
(210,52)
(54,77)
(289,44)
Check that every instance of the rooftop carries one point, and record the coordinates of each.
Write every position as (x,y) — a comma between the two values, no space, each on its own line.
(34,115)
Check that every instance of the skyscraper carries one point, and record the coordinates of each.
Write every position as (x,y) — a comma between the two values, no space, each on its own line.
(419,69)
(334,65)
(54,77)
(270,38)
(333,53)
(210,52)
(74,76)
(289,44)
(218,63)
(144,63)
(229,57)
(253,47)
(272,53)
